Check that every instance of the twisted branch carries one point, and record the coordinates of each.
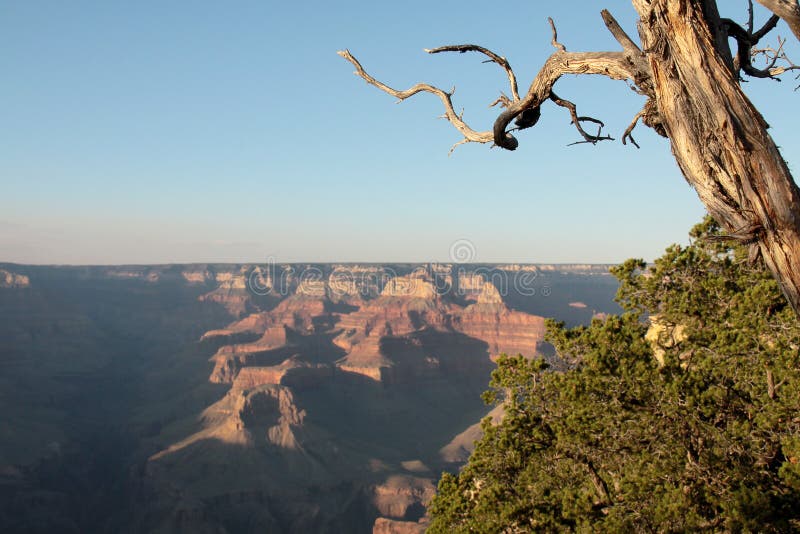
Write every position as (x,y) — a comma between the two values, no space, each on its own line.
(766,28)
(772,56)
(524,110)
(576,120)
(610,64)
(745,41)
(469,134)
(628,135)
(788,10)
(494,58)
(554,41)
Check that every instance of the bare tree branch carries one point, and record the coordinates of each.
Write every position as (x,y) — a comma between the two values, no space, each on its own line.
(619,34)
(627,65)
(772,55)
(768,27)
(554,41)
(576,120)
(611,64)
(512,79)
(746,235)
(788,10)
(629,130)
(746,51)
(502,100)
(452,148)
(745,42)
(640,67)
(615,65)
(455,119)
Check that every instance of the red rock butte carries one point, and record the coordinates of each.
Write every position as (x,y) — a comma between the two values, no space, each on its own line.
(364,322)
(375,335)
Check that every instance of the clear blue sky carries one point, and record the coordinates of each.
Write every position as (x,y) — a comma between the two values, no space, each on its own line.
(151,132)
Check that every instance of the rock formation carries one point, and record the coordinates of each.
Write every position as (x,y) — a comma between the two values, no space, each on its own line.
(320,398)
(397,330)
(13,280)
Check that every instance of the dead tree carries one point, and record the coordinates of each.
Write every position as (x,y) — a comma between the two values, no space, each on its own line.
(690,79)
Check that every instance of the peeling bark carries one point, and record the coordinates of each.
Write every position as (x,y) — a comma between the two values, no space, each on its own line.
(719,139)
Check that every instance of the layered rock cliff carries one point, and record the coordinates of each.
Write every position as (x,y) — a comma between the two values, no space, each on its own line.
(365,334)
(320,398)
(9,279)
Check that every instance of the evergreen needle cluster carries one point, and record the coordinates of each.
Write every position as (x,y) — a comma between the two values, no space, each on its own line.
(681,414)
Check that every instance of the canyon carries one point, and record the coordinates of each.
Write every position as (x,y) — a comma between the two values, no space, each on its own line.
(251,398)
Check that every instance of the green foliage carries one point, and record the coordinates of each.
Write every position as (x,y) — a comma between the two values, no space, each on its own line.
(681,414)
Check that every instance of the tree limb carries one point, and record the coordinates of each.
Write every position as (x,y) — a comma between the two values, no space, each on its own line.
(512,79)
(576,120)
(765,29)
(611,64)
(745,42)
(450,113)
(619,34)
(554,41)
(628,135)
(772,56)
(627,65)
(788,10)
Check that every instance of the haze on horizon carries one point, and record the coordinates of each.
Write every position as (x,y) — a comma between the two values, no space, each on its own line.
(151,133)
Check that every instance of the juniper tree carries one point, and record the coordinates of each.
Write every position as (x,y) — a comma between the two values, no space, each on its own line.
(681,414)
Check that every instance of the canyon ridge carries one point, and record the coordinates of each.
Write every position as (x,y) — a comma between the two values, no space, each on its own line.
(251,398)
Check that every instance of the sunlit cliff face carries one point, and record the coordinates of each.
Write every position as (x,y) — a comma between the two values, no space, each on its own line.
(298,397)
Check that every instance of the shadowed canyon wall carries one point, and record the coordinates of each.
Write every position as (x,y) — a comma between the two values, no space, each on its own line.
(243,398)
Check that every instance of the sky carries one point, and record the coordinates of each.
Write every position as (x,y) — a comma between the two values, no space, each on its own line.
(175,132)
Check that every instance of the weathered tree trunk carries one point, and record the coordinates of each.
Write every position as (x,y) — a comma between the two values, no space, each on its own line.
(718,138)
(686,71)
